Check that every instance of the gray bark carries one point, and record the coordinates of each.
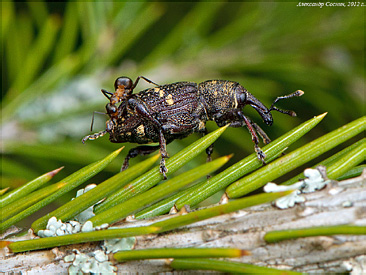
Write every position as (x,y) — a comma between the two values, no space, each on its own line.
(339,203)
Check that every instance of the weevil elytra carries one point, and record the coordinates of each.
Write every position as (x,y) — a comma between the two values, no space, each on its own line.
(174,111)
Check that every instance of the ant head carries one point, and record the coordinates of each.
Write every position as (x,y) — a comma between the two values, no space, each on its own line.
(123,81)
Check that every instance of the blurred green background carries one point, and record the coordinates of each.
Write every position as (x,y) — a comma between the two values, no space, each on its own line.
(57,56)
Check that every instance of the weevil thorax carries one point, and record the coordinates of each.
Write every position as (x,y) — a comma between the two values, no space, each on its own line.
(218,96)
(222,96)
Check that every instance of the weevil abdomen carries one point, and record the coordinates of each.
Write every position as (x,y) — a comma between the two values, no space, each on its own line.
(175,107)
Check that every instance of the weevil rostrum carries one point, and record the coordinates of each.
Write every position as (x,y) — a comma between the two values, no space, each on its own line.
(174,111)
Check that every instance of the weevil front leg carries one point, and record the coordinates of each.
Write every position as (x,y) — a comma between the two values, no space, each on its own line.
(139,150)
(252,129)
(209,149)
(144,113)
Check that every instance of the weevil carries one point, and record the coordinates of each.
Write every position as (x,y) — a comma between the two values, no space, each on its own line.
(174,111)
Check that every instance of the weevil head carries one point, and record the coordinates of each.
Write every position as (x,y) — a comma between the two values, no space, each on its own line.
(262,110)
(243,98)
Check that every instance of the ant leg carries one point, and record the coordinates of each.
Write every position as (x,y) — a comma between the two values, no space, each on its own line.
(144,78)
(139,150)
(107,94)
(260,153)
(92,123)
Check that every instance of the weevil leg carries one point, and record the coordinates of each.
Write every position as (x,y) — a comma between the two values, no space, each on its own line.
(209,149)
(139,150)
(251,128)
(163,153)
(141,110)
(260,132)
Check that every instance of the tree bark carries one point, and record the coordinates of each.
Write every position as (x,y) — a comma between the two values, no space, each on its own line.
(339,203)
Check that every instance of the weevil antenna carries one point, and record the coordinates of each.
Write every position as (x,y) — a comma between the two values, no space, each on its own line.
(288,112)
(94,136)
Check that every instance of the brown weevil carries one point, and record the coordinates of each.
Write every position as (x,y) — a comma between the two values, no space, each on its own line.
(174,111)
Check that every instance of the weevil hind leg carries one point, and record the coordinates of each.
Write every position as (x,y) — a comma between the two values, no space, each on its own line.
(209,151)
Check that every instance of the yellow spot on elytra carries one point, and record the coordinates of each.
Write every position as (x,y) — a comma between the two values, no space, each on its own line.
(201,125)
(140,130)
(161,93)
(169,99)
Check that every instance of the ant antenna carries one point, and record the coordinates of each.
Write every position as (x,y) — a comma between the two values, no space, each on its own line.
(288,112)
(92,123)
(107,94)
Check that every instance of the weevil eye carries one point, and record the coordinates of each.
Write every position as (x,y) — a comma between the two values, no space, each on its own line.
(111,109)
(124,81)
(241,98)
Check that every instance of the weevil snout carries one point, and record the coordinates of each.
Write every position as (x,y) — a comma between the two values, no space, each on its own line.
(267,118)
(262,110)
